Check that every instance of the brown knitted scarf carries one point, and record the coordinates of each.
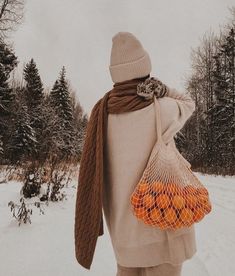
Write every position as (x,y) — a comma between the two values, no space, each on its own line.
(88,210)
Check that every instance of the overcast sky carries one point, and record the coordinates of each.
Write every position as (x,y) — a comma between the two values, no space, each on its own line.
(78,34)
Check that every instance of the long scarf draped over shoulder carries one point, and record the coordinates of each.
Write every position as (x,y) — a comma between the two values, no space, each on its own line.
(88,210)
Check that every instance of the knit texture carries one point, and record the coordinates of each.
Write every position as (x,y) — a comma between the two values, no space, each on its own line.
(88,210)
(128,58)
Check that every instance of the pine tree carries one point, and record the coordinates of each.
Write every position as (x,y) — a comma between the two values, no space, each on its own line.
(224,108)
(34,99)
(210,131)
(61,100)
(1,147)
(218,115)
(230,52)
(196,134)
(81,134)
(34,87)
(208,138)
(23,138)
(51,132)
(8,61)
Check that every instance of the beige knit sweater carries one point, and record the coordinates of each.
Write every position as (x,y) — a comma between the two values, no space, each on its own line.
(130,138)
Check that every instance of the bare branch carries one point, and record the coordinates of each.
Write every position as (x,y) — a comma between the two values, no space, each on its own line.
(11,15)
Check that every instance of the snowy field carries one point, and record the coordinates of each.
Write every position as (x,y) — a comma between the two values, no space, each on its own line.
(46,247)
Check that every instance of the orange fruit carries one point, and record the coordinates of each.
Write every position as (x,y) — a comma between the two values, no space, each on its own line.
(177,224)
(142,188)
(202,191)
(155,214)
(203,200)
(207,208)
(135,200)
(162,224)
(198,214)
(148,200)
(189,189)
(140,212)
(170,215)
(173,189)
(191,200)
(163,201)
(157,187)
(186,216)
(178,202)
(148,220)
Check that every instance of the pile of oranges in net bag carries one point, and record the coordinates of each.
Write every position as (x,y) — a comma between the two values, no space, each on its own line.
(168,205)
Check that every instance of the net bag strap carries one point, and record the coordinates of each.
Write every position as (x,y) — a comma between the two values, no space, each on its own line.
(157,118)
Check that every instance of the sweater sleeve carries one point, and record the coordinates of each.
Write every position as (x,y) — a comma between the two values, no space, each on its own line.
(176,108)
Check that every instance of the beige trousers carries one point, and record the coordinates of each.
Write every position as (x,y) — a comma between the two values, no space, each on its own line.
(165,269)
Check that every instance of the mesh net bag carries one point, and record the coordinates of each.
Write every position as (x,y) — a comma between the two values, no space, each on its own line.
(168,194)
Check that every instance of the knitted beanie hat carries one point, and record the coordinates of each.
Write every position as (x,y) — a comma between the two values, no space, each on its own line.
(129,60)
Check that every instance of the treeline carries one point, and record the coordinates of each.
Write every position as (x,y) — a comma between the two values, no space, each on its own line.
(208,138)
(37,124)
(41,130)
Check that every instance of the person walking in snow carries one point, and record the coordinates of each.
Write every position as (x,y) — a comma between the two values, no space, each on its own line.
(119,138)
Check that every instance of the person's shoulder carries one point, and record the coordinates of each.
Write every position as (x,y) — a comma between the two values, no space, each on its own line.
(169,112)
(168,106)
(177,101)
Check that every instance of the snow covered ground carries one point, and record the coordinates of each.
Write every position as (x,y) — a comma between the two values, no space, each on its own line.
(46,247)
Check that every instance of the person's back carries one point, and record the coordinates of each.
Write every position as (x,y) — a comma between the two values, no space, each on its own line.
(130,138)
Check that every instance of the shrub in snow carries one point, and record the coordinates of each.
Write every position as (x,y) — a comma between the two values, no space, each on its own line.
(56,184)
(21,212)
(32,183)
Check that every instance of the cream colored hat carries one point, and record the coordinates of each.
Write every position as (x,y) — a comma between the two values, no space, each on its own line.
(128,60)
